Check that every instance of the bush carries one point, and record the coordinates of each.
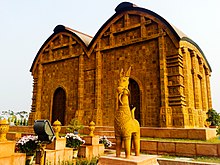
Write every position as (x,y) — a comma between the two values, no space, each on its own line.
(213,117)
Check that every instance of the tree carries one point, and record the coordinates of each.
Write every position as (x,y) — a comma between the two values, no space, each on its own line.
(15,121)
(24,122)
(213,117)
(18,122)
(11,112)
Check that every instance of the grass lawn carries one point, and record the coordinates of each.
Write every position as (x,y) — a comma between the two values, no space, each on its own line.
(214,140)
(197,159)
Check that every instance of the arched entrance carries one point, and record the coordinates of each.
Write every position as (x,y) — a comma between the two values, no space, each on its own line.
(134,99)
(59,105)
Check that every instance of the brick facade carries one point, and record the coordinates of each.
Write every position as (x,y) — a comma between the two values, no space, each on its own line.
(170,71)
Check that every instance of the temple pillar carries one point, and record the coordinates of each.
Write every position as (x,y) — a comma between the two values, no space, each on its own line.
(209,98)
(203,88)
(79,113)
(195,88)
(98,94)
(165,112)
(195,80)
(188,90)
(187,74)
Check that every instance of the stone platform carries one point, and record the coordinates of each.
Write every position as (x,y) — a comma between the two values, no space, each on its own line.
(158,132)
(154,132)
(134,160)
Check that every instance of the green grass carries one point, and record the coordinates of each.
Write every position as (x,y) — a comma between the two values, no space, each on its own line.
(207,159)
(85,161)
(196,159)
(214,140)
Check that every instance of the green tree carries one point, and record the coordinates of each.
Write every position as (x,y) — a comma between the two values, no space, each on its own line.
(18,122)
(24,121)
(213,117)
(21,121)
(11,112)
(15,121)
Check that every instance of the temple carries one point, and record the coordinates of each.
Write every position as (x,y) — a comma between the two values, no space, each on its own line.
(75,75)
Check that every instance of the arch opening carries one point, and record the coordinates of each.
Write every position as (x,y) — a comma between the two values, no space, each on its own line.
(134,99)
(59,105)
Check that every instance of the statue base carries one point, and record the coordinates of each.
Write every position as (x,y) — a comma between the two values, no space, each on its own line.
(133,160)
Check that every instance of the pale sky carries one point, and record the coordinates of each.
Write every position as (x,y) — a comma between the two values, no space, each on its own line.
(26,24)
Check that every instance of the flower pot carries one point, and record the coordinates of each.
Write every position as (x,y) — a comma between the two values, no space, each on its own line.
(29,159)
(75,153)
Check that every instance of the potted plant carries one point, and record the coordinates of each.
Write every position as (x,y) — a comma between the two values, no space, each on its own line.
(104,140)
(28,145)
(213,118)
(74,141)
(74,126)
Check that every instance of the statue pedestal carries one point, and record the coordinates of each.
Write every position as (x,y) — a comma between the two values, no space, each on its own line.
(91,148)
(134,160)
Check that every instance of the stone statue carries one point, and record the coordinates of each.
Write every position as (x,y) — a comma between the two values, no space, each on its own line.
(127,128)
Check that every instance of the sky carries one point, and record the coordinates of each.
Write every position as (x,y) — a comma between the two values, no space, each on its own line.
(26,24)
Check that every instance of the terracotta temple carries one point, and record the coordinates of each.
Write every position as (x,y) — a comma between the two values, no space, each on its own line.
(75,75)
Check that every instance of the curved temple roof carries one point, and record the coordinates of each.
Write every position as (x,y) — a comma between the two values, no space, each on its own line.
(84,37)
(124,6)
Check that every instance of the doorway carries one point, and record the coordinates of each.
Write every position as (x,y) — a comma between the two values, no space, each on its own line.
(59,105)
(134,98)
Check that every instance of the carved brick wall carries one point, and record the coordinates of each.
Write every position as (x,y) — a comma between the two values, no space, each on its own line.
(197,85)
